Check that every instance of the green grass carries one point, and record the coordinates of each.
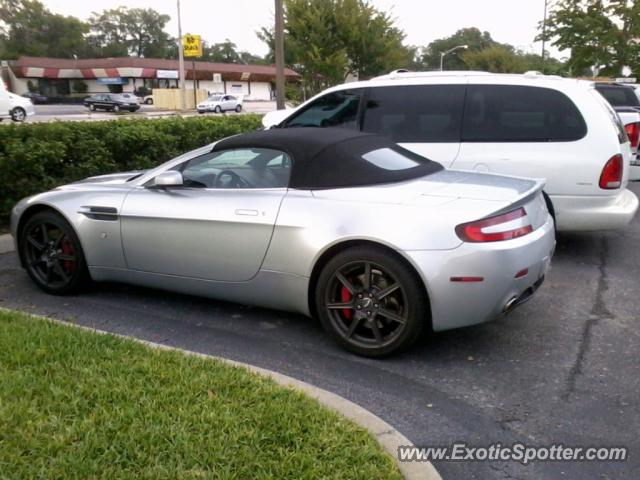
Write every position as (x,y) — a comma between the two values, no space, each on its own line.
(79,405)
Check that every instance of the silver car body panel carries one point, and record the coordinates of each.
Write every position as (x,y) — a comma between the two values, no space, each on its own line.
(261,246)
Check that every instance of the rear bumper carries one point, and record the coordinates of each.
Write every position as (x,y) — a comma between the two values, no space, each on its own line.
(456,304)
(575,213)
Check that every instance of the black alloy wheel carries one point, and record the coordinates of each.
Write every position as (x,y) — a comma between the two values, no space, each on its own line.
(371,302)
(52,254)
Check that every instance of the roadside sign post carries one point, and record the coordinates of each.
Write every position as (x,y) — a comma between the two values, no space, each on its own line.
(192,47)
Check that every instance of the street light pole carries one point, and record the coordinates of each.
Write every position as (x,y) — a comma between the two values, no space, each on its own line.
(451,50)
(279,51)
(183,99)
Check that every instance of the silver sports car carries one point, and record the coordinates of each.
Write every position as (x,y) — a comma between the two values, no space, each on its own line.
(377,242)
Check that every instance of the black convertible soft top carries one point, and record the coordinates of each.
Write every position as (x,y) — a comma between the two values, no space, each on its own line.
(333,157)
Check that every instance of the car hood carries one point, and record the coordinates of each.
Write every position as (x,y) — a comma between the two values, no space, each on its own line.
(111,179)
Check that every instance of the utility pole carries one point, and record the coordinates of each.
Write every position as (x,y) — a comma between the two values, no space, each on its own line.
(544,32)
(183,99)
(279,38)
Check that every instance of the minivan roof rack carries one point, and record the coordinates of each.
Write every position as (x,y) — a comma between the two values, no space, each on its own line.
(404,73)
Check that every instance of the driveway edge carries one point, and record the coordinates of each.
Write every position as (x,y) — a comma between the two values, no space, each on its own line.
(387,436)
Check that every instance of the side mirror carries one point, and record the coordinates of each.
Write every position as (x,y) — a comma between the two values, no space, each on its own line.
(170,178)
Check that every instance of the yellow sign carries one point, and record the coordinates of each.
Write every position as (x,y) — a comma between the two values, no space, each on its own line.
(192,45)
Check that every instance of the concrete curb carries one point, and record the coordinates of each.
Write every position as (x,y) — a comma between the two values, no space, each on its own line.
(6,243)
(387,436)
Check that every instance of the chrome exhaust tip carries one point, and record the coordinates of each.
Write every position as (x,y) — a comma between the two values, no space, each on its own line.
(510,305)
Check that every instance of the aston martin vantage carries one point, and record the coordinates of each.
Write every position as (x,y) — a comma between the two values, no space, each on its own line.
(376,241)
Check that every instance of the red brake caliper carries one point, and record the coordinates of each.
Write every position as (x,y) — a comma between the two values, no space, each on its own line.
(345,297)
(67,249)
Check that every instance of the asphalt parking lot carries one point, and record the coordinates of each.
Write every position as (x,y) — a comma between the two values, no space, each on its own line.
(47,113)
(563,368)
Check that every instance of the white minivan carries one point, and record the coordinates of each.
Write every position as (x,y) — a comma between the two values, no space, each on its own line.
(528,125)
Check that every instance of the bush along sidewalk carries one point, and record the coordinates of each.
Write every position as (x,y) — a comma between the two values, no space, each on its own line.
(40,156)
(76,404)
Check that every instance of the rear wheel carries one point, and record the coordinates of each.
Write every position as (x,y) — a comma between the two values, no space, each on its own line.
(370,302)
(52,254)
(116,108)
(238,108)
(92,107)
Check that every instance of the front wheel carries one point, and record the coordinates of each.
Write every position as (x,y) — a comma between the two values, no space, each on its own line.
(92,107)
(371,302)
(52,254)
(18,114)
(217,109)
(116,109)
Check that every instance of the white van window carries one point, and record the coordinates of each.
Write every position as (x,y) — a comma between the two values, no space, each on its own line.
(415,113)
(513,113)
(336,109)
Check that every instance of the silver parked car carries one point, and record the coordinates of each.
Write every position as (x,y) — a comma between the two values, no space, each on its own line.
(378,242)
(219,103)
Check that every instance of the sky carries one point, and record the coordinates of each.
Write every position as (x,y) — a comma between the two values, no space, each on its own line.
(508,21)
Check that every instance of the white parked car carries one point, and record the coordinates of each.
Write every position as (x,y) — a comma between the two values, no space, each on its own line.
(221,103)
(528,125)
(132,98)
(15,107)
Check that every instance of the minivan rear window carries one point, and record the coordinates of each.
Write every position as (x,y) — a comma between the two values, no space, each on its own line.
(415,113)
(514,113)
(619,95)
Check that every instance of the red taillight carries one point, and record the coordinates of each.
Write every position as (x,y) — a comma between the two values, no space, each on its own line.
(611,177)
(496,229)
(633,131)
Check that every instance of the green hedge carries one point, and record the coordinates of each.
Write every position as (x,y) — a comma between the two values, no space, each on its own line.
(40,156)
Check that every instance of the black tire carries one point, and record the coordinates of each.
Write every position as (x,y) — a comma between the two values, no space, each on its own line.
(116,108)
(18,114)
(238,108)
(149,101)
(391,302)
(52,254)
(217,109)
(551,209)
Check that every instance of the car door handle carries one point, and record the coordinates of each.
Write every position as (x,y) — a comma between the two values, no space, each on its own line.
(247,212)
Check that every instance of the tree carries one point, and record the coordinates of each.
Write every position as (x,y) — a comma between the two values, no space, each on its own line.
(472,37)
(599,34)
(495,59)
(225,52)
(28,28)
(326,40)
(137,31)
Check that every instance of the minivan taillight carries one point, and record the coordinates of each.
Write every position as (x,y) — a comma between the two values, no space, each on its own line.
(633,131)
(506,226)
(611,176)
